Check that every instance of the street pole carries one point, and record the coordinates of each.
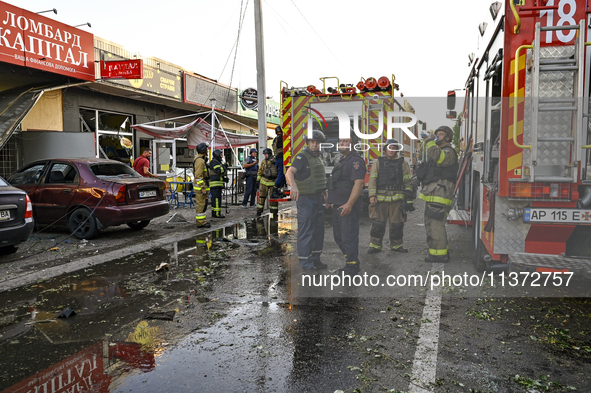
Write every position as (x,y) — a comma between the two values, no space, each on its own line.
(261,95)
(212,144)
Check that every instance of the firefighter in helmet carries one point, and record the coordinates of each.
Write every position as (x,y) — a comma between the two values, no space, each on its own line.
(307,180)
(266,176)
(390,197)
(201,185)
(438,190)
(218,176)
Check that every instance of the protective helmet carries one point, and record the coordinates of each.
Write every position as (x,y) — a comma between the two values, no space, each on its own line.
(316,136)
(391,142)
(448,132)
(253,150)
(217,154)
(278,130)
(268,151)
(202,148)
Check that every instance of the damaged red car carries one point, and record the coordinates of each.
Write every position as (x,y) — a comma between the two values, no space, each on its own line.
(90,194)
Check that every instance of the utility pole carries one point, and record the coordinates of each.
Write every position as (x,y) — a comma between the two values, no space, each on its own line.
(261,94)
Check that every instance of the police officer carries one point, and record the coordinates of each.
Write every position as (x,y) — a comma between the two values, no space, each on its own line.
(218,176)
(201,185)
(390,197)
(346,183)
(307,181)
(437,191)
(278,152)
(266,176)
(251,166)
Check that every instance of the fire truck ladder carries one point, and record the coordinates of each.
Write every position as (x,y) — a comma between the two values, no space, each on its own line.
(557,107)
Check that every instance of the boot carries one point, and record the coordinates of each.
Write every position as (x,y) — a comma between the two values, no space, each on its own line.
(320,266)
(373,250)
(437,258)
(399,249)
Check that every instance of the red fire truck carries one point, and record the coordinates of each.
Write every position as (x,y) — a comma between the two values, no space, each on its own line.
(525,183)
(370,107)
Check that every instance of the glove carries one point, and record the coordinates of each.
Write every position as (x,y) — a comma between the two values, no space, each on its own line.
(226,179)
(409,206)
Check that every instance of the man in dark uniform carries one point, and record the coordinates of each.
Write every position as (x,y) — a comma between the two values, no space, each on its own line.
(217,172)
(251,167)
(307,180)
(346,183)
(278,153)
(438,190)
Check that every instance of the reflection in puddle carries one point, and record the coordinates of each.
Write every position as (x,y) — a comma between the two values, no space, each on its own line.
(108,340)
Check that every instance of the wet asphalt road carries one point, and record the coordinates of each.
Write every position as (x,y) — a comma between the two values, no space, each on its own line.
(240,321)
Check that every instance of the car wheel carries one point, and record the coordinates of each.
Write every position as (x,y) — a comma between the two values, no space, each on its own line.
(137,225)
(8,250)
(82,224)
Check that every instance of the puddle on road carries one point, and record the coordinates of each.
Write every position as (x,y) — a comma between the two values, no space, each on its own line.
(124,309)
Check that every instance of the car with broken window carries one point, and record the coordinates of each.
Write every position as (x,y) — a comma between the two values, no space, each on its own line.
(90,194)
(16,217)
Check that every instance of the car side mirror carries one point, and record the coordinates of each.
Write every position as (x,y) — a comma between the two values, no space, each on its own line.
(451,100)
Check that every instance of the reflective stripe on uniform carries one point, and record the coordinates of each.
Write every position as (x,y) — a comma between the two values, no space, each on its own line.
(371,245)
(268,183)
(201,215)
(435,199)
(390,198)
(396,247)
(434,251)
(441,157)
(216,184)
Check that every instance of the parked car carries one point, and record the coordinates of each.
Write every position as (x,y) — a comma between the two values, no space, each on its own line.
(90,194)
(16,217)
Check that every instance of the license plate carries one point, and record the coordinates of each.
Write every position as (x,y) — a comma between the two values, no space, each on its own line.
(147,194)
(570,216)
(4,215)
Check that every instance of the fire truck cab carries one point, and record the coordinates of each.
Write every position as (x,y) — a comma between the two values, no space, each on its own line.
(524,182)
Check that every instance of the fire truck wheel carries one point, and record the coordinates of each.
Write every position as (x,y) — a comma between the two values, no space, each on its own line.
(478,249)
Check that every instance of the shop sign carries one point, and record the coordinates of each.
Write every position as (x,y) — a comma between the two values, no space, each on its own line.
(272,109)
(32,40)
(248,99)
(156,81)
(122,69)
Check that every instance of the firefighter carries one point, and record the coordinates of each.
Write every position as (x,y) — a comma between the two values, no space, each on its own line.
(345,185)
(390,197)
(278,153)
(437,191)
(307,181)
(266,176)
(218,175)
(201,185)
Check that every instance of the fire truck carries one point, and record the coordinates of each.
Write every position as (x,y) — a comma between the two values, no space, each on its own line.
(370,107)
(524,181)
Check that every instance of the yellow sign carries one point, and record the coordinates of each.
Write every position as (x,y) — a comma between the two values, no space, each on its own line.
(144,334)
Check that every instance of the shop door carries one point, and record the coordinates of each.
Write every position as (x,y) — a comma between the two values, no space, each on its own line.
(164,157)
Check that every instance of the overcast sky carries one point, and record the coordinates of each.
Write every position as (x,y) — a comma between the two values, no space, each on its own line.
(425,44)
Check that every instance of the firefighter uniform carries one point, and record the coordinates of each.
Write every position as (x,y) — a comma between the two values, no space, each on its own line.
(266,176)
(217,174)
(389,183)
(437,192)
(310,180)
(201,182)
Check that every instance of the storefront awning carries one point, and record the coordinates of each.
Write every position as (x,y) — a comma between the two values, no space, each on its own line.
(197,132)
(14,106)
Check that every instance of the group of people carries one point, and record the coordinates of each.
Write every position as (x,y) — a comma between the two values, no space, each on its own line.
(210,178)
(391,196)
